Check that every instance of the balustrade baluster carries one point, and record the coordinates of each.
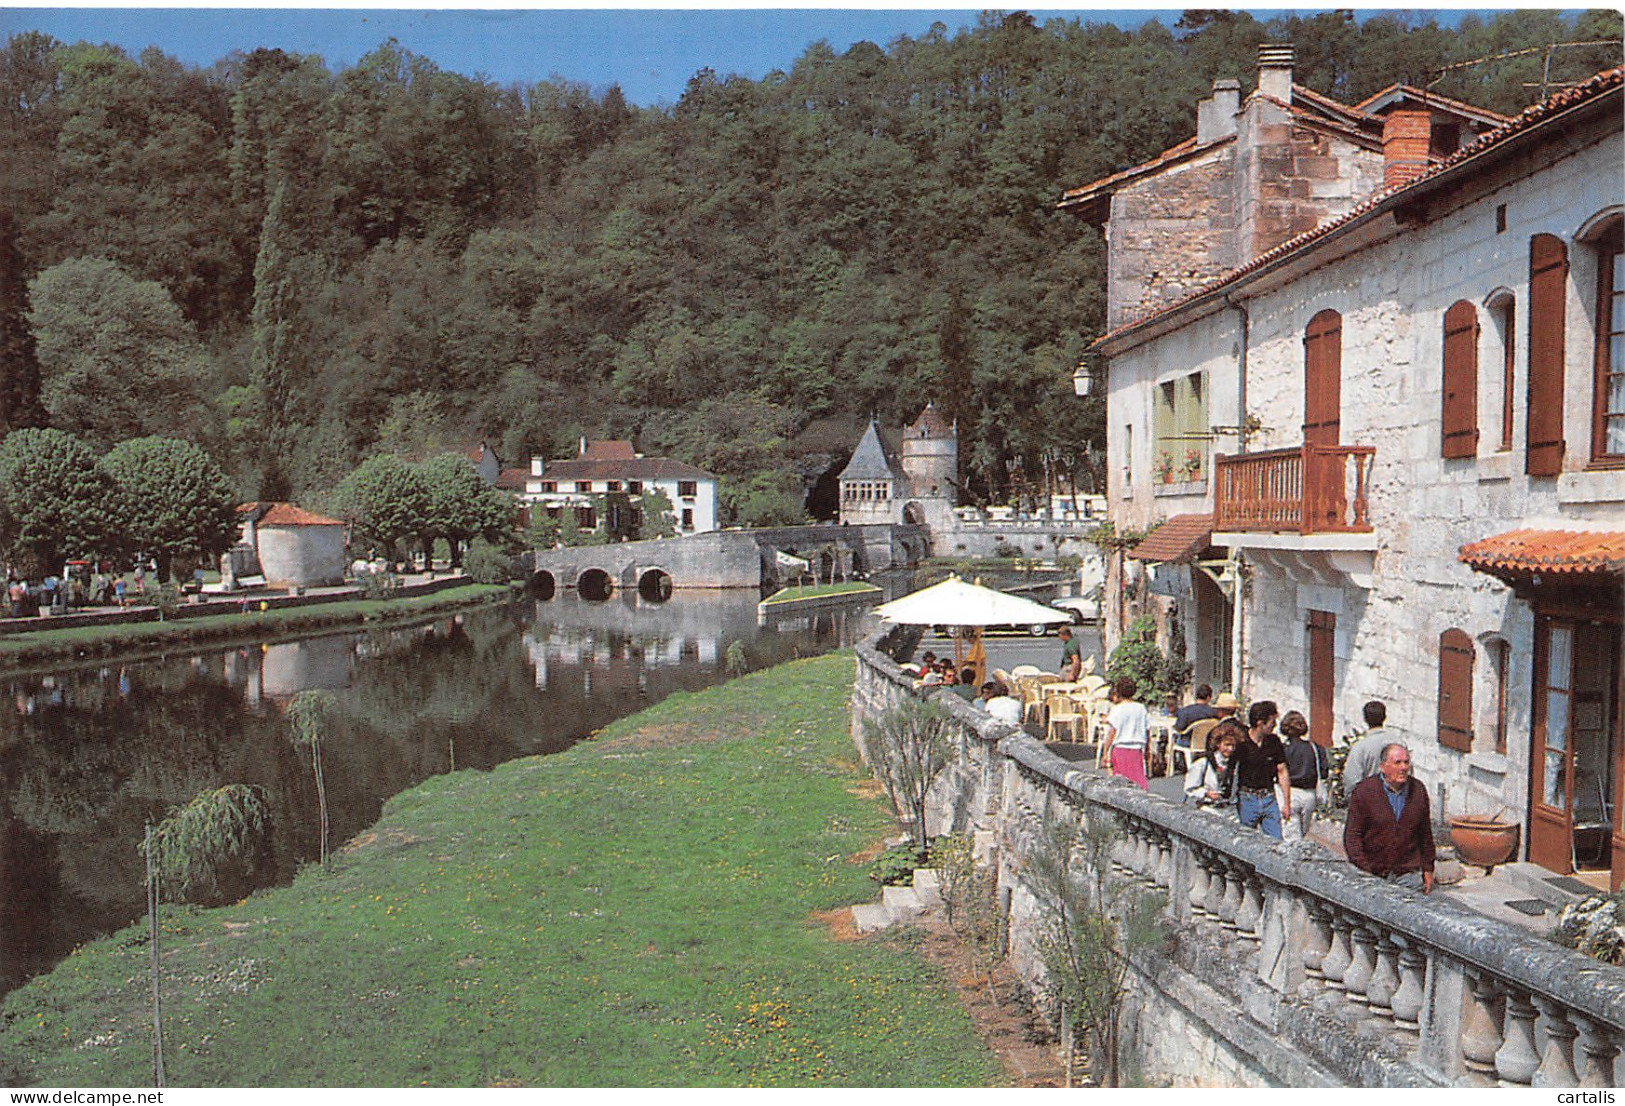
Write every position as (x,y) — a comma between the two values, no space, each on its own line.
(1165,860)
(1600,1046)
(1317,939)
(1335,965)
(1362,962)
(1557,1059)
(1481,1028)
(1252,906)
(1516,1061)
(1412,993)
(1379,993)
(1199,884)
(1230,906)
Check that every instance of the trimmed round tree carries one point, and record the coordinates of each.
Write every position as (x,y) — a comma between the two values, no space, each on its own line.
(386,500)
(173,502)
(56,500)
(462,506)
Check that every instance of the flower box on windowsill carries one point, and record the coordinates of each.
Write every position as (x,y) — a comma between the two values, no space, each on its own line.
(1186,487)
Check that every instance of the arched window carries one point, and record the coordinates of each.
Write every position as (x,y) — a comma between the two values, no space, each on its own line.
(1548,284)
(1460,437)
(1456,691)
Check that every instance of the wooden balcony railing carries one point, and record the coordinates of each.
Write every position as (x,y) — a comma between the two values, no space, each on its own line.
(1308,489)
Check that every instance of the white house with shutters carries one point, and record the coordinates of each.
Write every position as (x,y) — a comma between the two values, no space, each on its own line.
(1410,484)
(602,469)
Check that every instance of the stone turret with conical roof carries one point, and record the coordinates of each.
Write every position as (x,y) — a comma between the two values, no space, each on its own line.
(869,483)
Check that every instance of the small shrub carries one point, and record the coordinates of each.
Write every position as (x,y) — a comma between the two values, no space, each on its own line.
(735,660)
(909,746)
(377,585)
(167,598)
(1138,656)
(895,867)
(1002,548)
(485,563)
(1596,926)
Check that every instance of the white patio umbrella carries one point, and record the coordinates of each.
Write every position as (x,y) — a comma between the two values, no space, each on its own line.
(956,603)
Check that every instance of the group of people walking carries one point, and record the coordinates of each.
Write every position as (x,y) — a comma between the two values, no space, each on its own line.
(1276,786)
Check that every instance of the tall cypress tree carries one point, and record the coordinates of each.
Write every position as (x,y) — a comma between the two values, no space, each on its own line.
(19,365)
(273,358)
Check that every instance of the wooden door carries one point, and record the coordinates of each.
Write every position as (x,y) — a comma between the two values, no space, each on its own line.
(1322,641)
(1551,752)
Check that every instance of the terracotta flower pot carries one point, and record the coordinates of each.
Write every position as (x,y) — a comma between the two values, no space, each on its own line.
(1483,841)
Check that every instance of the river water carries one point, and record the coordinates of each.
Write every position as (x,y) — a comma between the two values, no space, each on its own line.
(88,755)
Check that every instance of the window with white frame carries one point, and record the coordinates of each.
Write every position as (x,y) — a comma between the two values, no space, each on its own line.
(1179,430)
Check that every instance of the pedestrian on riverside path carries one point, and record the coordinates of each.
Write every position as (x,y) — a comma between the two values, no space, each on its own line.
(1389,832)
(1260,767)
(1306,766)
(1126,729)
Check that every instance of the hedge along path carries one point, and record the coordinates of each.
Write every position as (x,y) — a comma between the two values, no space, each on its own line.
(639,910)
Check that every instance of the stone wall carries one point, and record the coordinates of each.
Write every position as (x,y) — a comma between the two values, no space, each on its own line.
(1170,232)
(1282,966)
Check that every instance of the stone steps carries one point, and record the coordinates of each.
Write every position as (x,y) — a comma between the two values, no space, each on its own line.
(900,904)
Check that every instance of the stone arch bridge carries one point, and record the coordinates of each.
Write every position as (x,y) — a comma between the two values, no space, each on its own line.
(725,559)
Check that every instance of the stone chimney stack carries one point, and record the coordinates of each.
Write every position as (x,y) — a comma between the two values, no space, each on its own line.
(1216,116)
(1275,71)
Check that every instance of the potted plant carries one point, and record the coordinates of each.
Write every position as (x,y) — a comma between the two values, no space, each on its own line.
(1165,467)
(1193,464)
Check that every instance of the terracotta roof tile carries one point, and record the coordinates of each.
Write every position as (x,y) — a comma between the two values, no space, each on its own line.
(1598,85)
(286,514)
(1543,552)
(607,450)
(932,423)
(1180,539)
(512,480)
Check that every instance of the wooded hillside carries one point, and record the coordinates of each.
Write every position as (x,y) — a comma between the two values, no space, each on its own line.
(297,268)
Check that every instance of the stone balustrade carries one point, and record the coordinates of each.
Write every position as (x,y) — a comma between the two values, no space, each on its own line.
(1299,968)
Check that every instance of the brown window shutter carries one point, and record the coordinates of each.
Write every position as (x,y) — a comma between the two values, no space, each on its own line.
(1548,282)
(1456,691)
(1460,381)
(1322,378)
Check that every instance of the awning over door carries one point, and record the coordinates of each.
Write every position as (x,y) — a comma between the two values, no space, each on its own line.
(1179,540)
(1572,556)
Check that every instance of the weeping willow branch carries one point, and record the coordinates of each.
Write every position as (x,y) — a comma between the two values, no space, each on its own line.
(187,847)
(308,714)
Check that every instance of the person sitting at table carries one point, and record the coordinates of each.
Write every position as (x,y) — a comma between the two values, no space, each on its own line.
(1000,704)
(1209,782)
(1195,711)
(962,685)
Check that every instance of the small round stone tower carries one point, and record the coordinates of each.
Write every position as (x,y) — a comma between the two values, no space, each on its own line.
(930,471)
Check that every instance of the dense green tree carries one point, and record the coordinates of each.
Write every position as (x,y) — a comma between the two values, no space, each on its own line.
(173,502)
(57,501)
(117,357)
(386,500)
(461,506)
(19,360)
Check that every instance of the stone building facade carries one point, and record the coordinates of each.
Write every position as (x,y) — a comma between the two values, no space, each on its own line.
(1427,505)
(919,491)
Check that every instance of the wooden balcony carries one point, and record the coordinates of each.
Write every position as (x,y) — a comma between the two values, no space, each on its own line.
(1307,489)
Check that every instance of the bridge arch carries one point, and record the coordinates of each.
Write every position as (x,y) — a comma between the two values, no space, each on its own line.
(542,584)
(595,584)
(655,585)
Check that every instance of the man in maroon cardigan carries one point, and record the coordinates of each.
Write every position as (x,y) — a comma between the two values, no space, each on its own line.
(1389,832)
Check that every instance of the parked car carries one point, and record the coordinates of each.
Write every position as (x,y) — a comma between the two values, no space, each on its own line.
(1082,608)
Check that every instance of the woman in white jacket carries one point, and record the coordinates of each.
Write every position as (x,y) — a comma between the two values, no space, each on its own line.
(1208,783)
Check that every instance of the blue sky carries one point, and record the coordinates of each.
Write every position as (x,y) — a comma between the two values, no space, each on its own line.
(650,53)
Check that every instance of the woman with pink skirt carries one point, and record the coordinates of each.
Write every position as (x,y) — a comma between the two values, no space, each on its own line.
(1126,730)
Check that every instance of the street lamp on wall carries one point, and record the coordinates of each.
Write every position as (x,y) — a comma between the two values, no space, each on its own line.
(1083,377)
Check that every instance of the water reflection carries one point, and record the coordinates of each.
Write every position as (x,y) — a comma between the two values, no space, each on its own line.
(87,756)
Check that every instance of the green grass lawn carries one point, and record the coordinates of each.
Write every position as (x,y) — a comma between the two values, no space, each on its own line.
(638,910)
(814,591)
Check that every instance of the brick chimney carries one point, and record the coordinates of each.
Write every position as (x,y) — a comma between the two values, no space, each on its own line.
(1216,116)
(1406,135)
(1275,70)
